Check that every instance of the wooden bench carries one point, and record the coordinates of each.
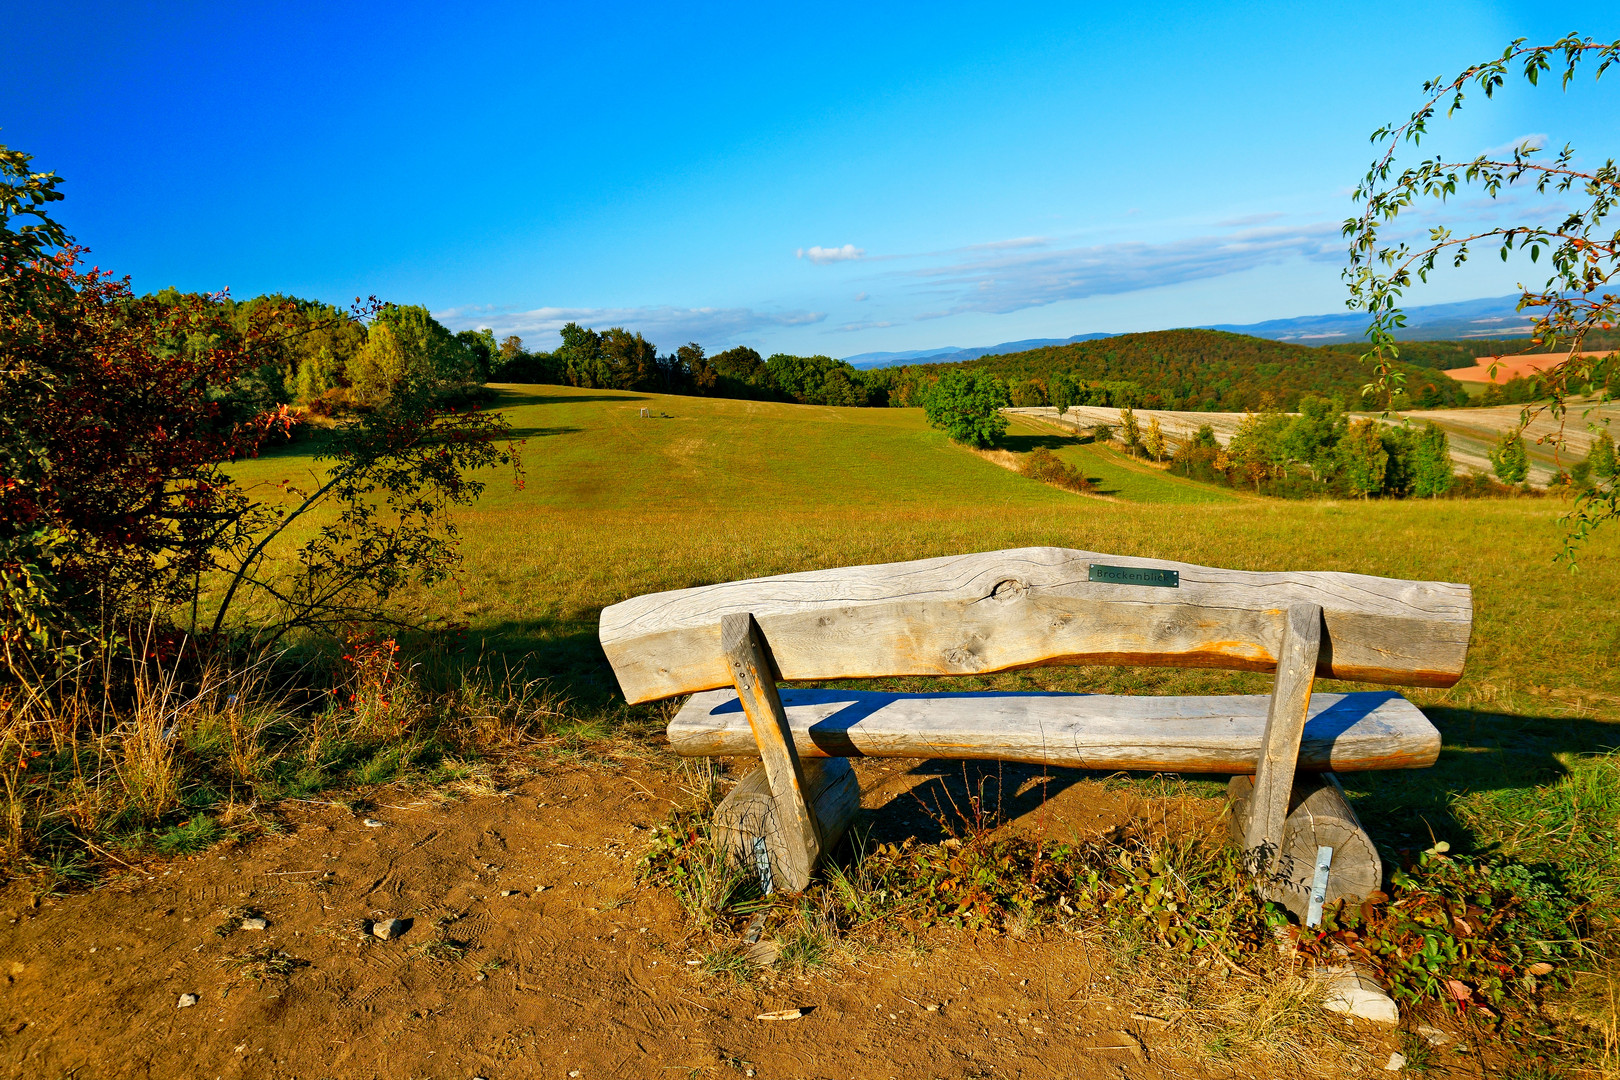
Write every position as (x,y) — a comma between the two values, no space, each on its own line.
(729,645)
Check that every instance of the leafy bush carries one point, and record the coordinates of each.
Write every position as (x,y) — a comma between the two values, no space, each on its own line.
(119,416)
(1468,932)
(1043,465)
(198,834)
(967,406)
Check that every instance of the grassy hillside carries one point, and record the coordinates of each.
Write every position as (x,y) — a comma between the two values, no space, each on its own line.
(614,505)
(714,490)
(1209,370)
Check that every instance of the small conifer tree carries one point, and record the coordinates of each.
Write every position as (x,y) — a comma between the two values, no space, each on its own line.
(1601,455)
(1432,474)
(1510,460)
(1129,433)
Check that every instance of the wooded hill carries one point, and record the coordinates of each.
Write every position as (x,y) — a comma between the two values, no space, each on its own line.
(1206,370)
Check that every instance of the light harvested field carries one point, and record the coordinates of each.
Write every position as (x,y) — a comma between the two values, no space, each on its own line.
(1472,431)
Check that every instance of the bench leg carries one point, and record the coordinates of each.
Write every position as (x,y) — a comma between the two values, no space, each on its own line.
(747,825)
(1285,726)
(1319,817)
(799,840)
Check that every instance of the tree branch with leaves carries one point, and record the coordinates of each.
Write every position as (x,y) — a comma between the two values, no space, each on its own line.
(1582,246)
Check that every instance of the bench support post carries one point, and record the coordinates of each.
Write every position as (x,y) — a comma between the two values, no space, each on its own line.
(1285,725)
(752,672)
(1319,816)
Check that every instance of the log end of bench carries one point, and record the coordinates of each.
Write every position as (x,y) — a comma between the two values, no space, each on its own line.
(1319,816)
(750,814)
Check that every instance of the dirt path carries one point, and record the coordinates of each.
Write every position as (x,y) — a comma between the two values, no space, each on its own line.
(577,973)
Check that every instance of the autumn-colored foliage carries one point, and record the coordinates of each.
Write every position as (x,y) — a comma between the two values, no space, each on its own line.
(119,417)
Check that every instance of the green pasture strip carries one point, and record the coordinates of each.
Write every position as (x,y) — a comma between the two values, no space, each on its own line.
(615,506)
(593,449)
(1115,474)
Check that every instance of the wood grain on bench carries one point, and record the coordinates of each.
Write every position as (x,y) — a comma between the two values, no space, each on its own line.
(1222,734)
(1030,607)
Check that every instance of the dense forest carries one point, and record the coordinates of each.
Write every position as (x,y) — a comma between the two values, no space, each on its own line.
(333,362)
(1199,370)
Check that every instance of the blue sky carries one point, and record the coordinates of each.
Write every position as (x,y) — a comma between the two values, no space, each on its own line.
(838,178)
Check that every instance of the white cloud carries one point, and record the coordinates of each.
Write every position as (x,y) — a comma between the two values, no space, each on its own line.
(1251,219)
(1538,141)
(1016,242)
(997,281)
(821,256)
(861,297)
(666,326)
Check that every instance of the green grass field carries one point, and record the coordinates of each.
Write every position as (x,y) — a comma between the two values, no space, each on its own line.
(713,490)
(706,490)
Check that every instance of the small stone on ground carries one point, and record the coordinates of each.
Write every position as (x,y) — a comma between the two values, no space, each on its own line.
(255,924)
(187,1001)
(388,929)
(1397,1062)
(1352,994)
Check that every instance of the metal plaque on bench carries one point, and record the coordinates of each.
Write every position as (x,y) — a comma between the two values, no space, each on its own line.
(1135,575)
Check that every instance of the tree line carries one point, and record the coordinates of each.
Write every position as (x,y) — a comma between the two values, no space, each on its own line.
(1324,451)
(617,359)
(124,533)
(1178,369)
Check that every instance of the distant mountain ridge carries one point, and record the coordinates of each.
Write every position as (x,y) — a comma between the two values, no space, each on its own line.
(1493,317)
(951,354)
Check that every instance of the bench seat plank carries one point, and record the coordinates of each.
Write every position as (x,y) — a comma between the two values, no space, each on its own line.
(1029,607)
(1217,734)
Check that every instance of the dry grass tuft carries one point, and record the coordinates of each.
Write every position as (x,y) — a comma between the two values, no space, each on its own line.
(1271,1018)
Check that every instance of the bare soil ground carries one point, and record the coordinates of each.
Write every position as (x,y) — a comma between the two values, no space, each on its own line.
(532,952)
(1508,367)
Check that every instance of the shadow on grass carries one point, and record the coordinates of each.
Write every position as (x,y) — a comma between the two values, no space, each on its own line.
(1023,443)
(565,653)
(509,398)
(542,432)
(1480,752)
(1483,752)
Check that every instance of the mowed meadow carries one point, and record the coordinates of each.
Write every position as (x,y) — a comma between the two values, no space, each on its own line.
(614,504)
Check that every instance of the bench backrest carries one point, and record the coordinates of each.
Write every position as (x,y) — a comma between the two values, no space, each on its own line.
(1031,607)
